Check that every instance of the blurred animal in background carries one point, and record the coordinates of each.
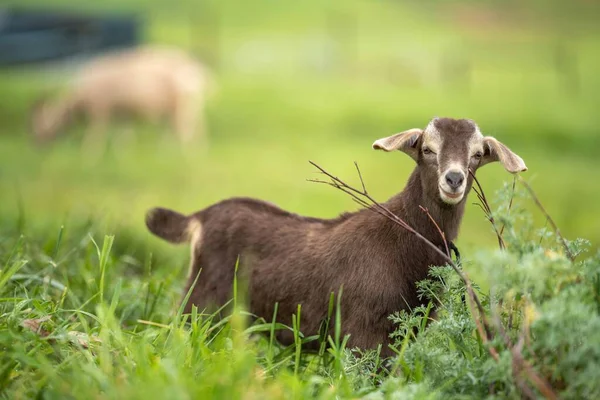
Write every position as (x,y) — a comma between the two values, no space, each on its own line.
(150,82)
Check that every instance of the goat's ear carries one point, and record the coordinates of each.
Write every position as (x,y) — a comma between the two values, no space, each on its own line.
(496,151)
(404,141)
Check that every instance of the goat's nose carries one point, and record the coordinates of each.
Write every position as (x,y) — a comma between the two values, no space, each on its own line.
(454,179)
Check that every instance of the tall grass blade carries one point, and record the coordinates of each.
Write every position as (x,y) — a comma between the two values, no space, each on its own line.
(272,336)
(58,242)
(297,340)
(7,273)
(103,257)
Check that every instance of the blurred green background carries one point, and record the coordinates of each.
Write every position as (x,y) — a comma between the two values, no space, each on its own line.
(315,80)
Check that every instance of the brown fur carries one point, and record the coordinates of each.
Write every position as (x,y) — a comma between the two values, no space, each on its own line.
(291,259)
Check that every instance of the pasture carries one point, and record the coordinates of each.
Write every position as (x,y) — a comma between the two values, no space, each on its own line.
(296,82)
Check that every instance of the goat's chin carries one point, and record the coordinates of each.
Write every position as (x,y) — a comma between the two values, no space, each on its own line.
(451,198)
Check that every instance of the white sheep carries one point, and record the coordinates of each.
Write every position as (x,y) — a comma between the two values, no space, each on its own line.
(151,82)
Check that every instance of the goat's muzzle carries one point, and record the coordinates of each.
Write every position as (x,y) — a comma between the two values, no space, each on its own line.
(452,186)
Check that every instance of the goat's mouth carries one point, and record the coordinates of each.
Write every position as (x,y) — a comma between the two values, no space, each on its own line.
(451,198)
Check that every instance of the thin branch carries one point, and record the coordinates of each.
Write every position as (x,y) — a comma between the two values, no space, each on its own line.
(343,189)
(520,364)
(510,203)
(443,236)
(526,390)
(339,184)
(500,327)
(540,383)
(517,352)
(362,182)
(483,209)
(548,218)
(480,308)
(482,199)
(487,210)
(483,332)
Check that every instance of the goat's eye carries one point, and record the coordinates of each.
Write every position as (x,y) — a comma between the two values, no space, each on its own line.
(427,150)
(478,155)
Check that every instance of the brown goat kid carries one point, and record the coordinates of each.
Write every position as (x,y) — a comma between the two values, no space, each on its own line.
(291,259)
(149,82)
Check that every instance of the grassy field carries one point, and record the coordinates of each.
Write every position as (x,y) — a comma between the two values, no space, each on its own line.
(286,98)
(296,83)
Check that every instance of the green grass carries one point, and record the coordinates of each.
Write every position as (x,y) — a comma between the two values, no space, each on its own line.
(275,112)
(125,340)
(83,316)
(292,89)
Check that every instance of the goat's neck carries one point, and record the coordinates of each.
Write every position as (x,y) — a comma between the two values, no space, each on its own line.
(406,206)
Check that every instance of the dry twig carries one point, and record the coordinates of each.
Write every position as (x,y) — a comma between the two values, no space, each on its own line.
(521,365)
(443,236)
(485,206)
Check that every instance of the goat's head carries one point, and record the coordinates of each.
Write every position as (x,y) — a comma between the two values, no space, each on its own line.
(445,151)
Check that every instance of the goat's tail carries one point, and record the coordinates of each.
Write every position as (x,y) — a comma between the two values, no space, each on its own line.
(172,226)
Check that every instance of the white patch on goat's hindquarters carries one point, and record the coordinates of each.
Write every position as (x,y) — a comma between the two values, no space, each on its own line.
(194,232)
